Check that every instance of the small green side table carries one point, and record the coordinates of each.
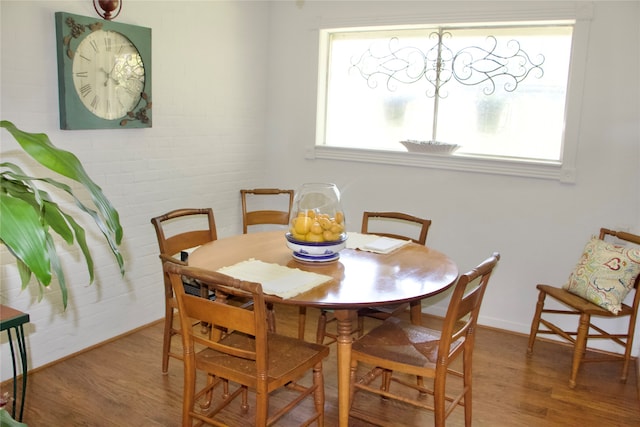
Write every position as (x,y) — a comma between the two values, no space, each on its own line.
(12,319)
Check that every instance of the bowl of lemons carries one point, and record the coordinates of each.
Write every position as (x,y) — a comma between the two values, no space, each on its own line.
(317,226)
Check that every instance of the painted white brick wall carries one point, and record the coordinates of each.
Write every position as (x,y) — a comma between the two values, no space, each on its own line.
(209,106)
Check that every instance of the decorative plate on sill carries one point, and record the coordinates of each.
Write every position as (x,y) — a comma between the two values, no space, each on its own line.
(429,147)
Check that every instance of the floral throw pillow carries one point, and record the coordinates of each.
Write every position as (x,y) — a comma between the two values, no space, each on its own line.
(605,274)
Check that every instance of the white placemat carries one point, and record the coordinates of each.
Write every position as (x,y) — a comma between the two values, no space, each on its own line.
(374,243)
(276,279)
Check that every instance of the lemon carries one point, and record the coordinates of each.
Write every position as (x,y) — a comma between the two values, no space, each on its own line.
(303,224)
(297,236)
(325,223)
(329,236)
(316,228)
(312,237)
(337,228)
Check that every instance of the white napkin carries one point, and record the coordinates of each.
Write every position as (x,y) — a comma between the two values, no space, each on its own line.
(276,279)
(374,243)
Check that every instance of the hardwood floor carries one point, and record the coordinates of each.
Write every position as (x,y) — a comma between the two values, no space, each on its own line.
(120,384)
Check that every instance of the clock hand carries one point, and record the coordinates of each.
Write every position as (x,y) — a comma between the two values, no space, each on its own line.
(109,76)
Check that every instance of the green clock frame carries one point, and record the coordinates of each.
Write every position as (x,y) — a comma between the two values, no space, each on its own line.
(70,32)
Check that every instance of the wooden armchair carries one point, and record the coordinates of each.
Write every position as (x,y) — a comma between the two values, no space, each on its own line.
(585,310)
(171,245)
(247,354)
(399,346)
(374,223)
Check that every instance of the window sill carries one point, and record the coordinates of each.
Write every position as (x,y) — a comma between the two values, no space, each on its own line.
(455,162)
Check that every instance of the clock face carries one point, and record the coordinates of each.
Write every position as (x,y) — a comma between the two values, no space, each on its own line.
(108,74)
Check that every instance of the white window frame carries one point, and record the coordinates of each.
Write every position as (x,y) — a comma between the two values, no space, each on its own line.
(563,170)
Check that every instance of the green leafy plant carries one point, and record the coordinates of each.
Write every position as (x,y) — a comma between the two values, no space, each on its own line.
(29,214)
(7,421)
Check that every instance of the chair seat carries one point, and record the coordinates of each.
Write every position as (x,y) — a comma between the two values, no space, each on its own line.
(286,356)
(400,341)
(581,304)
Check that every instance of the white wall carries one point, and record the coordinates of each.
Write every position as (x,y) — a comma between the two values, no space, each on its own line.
(234,106)
(207,142)
(539,226)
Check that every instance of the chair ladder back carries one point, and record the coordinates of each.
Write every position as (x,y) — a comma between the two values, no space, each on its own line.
(631,238)
(265,216)
(221,315)
(464,307)
(622,235)
(180,241)
(190,239)
(424,225)
(224,315)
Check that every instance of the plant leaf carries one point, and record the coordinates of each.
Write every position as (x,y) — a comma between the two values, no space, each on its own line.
(25,273)
(57,268)
(52,214)
(67,164)
(24,235)
(62,231)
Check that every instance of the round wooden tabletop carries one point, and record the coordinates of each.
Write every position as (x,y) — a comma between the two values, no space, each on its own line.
(360,278)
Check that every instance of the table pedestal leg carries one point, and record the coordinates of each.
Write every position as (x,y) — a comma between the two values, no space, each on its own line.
(344,320)
(415,311)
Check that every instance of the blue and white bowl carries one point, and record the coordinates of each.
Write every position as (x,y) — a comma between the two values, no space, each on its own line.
(316,251)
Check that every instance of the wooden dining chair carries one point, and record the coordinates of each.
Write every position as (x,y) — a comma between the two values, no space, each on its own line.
(247,354)
(398,346)
(396,225)
(253,216)
(177,232)
(387,224)
(603,277)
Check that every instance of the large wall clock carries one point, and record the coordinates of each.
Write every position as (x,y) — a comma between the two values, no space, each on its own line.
(104,73)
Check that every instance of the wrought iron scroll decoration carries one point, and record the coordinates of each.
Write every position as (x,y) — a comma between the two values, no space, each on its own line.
(470,66)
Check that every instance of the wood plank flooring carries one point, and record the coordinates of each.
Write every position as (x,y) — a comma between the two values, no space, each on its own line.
(120,384)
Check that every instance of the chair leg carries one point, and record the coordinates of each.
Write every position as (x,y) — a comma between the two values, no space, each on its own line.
(580,347)
(629,346)
(302,321)
(467,383)
(205,328)
(535,323)
(206,403)
(439,402)
(322,325)
(188,398)
(318,394)
(360,326)
(262,408)
(352,381)
(166,340)
(385,384)
(245,400)
(271,318)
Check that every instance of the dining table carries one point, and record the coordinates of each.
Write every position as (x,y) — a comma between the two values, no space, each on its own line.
(357,279)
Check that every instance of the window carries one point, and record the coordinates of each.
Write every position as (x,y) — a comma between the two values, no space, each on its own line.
(500,92)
